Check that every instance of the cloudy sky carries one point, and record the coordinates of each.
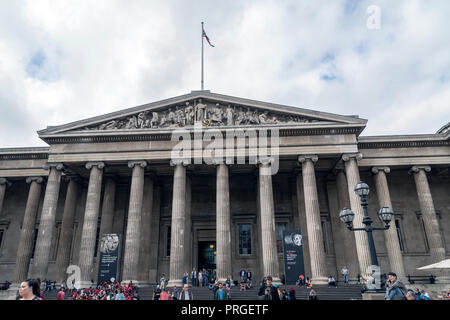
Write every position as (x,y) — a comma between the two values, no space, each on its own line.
(62,61)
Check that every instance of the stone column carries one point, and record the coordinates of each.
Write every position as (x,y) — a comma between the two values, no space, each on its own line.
(65,242)
(107,216)
(154,233)
(90,221)
(390,235)
(350,252)
(223,223)
(144,248)
(313,223)
(47,222)
(268,233)
(362,243)
(3,184)
(133,235)
(26,234)
(302,218)
(431,223)
(188,234)
(178,223)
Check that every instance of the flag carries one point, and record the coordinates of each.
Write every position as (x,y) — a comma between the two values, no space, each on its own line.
(207,39)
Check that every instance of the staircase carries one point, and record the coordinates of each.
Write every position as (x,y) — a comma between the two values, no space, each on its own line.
(342,292)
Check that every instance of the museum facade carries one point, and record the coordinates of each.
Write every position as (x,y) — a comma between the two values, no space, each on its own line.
(175,211)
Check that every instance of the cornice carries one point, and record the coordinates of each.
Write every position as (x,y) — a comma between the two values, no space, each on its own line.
(148,135)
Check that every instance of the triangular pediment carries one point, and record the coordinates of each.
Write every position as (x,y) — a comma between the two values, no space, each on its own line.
(212,110)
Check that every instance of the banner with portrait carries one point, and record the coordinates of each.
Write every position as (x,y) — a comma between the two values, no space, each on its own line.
(109,257)
(293,256)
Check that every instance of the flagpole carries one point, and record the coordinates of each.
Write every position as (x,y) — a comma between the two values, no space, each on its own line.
(202,55)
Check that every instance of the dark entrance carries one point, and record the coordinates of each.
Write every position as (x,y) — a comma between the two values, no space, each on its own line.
(207,256)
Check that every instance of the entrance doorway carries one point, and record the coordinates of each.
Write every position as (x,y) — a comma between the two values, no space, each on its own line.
(207,256)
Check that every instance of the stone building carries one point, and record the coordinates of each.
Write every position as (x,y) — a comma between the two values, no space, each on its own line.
(116,173)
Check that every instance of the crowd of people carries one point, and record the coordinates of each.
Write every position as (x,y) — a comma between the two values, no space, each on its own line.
(106,291)
(34,289)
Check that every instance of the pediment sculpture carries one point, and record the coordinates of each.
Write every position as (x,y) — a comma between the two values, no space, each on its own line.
(209,114)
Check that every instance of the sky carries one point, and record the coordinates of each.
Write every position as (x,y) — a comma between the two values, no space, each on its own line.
(63,61)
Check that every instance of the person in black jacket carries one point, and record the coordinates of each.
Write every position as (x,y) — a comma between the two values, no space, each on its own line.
(273,291)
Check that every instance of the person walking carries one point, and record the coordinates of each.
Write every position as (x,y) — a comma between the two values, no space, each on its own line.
(157,293)
(194,277)
(221,293)
(200,278)
(395,289)
(163,294)
(292,294)
(120,295)
(162,281)
(344,272)
(29,290)
(186,294)
(61,295)
(249,279)
(136,296)
(243,275)
(272,290)
(185,278)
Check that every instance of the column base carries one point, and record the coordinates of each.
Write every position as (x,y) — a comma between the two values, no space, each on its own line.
(176,282)
(127,282)
(84,285)
(223,280)
(319,280)
(443,279)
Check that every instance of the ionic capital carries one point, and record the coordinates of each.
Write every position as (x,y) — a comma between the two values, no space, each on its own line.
(5,181)
(57,165)
(375,170)
(265,161)
(313,157)
(99,165)
(34,179)
(416,169)
(347,156)
(142,164)
(175,162)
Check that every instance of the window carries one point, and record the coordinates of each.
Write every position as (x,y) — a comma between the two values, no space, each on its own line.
(324,235)
(279,228)
(97,237)
(168,239)
(399,235)
(34,242)
(245,239)
(427,246)
(2,232)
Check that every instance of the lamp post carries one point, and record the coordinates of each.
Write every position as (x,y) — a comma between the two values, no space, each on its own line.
(385,214)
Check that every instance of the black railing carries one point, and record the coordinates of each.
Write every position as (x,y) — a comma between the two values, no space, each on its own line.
(428,279)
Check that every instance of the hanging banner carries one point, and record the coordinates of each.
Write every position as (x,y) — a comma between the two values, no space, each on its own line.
(109,257)
(293,256)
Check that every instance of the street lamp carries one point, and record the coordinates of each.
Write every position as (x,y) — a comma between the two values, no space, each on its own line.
(385,214)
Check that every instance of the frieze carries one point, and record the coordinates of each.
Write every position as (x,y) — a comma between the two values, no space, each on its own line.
(208,114)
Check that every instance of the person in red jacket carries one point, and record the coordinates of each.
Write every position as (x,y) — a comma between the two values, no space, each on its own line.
(61,294)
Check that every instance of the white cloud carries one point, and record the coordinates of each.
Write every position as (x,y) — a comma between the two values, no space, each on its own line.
(90,58)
